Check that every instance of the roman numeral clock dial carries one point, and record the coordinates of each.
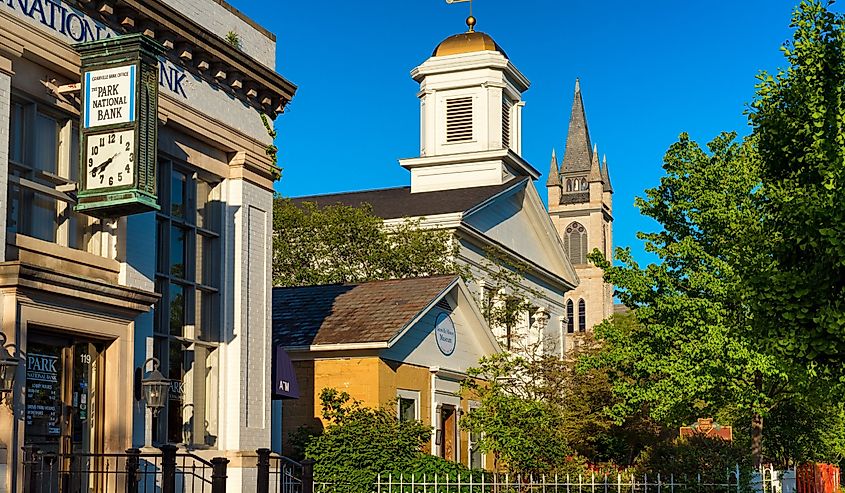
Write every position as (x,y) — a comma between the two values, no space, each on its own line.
(111,159)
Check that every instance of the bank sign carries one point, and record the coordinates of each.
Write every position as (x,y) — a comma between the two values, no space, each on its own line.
(110,96)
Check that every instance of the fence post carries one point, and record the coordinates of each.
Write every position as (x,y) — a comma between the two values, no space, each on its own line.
(308,476)
(168,468)
(218,474)
(263,481)
(133,465)
(31,476)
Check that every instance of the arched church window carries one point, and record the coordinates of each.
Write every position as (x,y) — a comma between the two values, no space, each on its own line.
(575,243)
(582,316)
(570,317)
(568,185)
(584,184)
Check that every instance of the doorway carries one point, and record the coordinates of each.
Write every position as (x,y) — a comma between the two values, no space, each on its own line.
(448,425)
(63,404)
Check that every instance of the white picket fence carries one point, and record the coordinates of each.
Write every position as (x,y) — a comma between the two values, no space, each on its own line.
(766,481)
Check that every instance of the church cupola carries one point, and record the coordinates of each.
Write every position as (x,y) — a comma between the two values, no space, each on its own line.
(470,116)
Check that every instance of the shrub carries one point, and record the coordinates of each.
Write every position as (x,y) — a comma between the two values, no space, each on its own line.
(684,459)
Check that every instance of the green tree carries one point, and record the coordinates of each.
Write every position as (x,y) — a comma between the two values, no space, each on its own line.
(518,423)
(798,119)
(687,354)
(344,244)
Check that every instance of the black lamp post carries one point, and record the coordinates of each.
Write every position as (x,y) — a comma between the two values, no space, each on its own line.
(155,387)
(8,367)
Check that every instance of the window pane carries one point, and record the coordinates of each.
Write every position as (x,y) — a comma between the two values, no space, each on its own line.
(177,194)
(206,316)
(177,310)
(73,172)
(407,409)
(177,251)
(43,217)
(179,359)
(46,152)
(16,133)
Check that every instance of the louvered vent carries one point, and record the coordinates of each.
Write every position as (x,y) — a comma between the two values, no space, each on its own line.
(506,123)
(575,243)
(459,119)
(443,304)
(147,133)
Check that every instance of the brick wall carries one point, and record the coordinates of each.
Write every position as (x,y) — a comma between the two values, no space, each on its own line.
(220,18)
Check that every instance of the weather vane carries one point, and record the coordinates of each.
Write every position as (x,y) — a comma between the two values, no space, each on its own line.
(470,19)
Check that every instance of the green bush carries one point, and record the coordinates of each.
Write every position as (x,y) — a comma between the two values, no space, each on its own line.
(684,459)
(359,443)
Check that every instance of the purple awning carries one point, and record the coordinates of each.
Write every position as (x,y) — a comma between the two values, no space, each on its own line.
(285,385)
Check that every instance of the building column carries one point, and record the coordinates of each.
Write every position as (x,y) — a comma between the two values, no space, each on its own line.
(245,403)
(5,106)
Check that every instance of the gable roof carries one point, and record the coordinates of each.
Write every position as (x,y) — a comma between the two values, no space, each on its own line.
(366,313)
(394,203)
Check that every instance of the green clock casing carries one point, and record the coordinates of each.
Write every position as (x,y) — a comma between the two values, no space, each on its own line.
(119,126)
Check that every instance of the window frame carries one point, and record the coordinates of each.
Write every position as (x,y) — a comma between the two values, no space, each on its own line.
(203,339)
(410,395)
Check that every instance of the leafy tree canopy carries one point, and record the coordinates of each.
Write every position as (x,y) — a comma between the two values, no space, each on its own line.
(343,244)
(798,117)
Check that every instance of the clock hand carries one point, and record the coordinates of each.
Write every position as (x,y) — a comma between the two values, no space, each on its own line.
(102,167)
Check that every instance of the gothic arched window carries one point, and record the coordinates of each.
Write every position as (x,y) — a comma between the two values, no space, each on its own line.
(568,185)
(584,184)
(575,243)
(582,316)
(570,317)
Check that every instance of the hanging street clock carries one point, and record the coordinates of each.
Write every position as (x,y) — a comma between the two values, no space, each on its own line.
(119,128)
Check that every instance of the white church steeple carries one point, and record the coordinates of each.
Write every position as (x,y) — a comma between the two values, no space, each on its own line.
(470,116)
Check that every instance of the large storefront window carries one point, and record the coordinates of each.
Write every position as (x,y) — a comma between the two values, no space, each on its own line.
(44,155)
(188,316)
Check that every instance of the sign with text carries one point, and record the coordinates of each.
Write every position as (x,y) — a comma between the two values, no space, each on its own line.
(110,96)
(444,333)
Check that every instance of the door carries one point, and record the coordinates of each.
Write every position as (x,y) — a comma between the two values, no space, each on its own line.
(63,382)
(448,425)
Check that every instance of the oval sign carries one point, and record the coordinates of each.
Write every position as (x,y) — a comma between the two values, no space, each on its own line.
(444,333)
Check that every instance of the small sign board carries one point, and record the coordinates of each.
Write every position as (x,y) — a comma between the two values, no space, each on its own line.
(285,385)
(110,96)
(709,428)
(445,334)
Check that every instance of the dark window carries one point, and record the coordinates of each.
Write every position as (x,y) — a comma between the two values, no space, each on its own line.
(187,318)
(582,316)
(407,409)
(570,317)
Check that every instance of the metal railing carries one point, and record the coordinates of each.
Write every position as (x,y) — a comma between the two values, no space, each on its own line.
(279,474)
(134,471)
(484,482)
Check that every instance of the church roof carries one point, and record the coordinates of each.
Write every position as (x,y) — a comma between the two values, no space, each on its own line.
(370,312)
(394,203)
(578,156)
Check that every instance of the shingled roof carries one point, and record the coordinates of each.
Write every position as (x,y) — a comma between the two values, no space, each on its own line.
(578,155)
(393,203)
(371,312)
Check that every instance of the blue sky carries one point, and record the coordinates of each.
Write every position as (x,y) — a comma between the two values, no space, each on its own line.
(649,70)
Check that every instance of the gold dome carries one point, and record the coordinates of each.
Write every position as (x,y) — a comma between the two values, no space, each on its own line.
(467,42)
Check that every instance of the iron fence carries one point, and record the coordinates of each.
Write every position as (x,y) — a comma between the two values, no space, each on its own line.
(279,474)
(134,471)
(490,482)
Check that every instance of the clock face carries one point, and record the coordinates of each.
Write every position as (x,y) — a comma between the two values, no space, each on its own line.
(111,159)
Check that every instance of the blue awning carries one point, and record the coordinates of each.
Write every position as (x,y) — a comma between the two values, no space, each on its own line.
(285,385)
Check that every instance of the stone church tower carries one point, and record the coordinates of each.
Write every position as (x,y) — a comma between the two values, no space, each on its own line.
(580,206)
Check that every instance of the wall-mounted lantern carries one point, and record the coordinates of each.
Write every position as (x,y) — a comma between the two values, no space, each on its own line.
(155,387)
(8,367)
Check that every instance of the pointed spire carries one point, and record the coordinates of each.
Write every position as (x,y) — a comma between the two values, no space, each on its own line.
(595,170)
(577,156)
(554,177)
(605,176)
